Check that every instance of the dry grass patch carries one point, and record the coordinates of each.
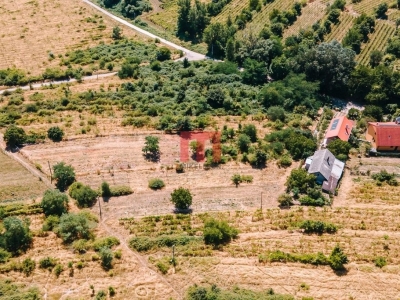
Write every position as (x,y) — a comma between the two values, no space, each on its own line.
(16,183)
(33,32)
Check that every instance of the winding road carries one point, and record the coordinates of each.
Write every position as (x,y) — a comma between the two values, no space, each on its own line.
(190,55)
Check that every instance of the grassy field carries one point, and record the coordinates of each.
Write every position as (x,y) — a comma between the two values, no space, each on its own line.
(35,31)
(16,183)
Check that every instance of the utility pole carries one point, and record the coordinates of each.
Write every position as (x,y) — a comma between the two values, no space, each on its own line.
(98,200)
(51,174)
(261,201)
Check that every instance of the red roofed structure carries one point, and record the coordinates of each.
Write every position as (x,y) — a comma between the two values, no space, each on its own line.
(339,128)
(384,136)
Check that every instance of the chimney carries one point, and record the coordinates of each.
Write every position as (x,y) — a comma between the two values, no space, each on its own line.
(327,160)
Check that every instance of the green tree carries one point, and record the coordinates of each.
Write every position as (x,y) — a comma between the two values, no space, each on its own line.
(243,142)
(73,227)
(55,134)
(105,189)
(116,33)
(218,232)
(216,36)
(64,175)
(183,16)
(255,73)
(17,235)
(181,198)
(337,259)
(339,147)
(83,194)
(230,50)
(301,180)
(215,97)
(381,10)
(14,136)
(106,257)
(330,64)
(353,40)
(54,203)
(374,112)
(260,158)
(151,149)
(163,53)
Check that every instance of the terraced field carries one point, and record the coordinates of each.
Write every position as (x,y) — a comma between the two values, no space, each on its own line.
(384,30)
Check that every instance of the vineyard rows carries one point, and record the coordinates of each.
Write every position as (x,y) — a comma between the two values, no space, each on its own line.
(378,40)
(339,30)
(312,13)
(260,19)
(368,6)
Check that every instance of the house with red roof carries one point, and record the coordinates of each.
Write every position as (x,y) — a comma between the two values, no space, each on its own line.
(384,136)
(339,128)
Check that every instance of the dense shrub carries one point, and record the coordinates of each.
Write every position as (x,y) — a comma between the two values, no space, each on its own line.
(156,184)
(181,198)
(55,134)
(380,262)
(163,53)
(337,259)
(28,266)
(279,256)
(318,227)
(107,242)
(384,176)
(73,227)
(218,232)
(145,243)
(120,190)
(54,203)
(47,263)
(51,223)
(285,200)
(17,236)
(301,180)
(83,194)
(14,136)
(106,257)
(4,256)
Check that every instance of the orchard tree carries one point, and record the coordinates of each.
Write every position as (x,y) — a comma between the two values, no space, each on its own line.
(381,10)
(182,198)
(64,175)
(54,203)
(151,149)
(236,179)
(337,259)
(375,58)
(244,143)
(83,194)
(14,136)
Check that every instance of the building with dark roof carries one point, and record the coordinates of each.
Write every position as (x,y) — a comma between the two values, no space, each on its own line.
(339,128)
(327,168)
(384,136)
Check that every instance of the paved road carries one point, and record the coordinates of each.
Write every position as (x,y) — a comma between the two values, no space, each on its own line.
(190,55)
(39,85)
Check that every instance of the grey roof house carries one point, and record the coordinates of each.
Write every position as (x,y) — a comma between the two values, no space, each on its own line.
(328,170)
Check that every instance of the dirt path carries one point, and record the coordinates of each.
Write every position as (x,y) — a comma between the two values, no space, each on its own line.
(26,165)
(138,257)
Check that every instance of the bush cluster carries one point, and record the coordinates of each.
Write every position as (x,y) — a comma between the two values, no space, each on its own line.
(83,194)
(217,232)
(385,176)
(144,243)
(318,227)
